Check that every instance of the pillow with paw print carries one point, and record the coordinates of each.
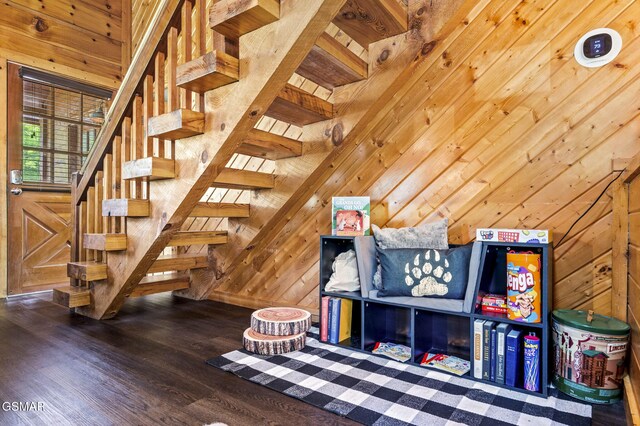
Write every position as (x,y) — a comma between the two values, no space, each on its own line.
(425,272)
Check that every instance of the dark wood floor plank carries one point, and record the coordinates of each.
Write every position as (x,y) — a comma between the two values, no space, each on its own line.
(146,366)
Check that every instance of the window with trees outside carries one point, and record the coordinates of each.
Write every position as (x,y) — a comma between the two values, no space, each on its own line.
(59,126)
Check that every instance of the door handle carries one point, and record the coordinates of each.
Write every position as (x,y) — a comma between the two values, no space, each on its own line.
(16,191)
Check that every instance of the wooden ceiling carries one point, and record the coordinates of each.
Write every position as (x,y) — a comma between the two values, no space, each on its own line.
(496,127)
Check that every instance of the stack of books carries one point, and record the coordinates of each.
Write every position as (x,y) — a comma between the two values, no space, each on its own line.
(335,319)
(498,354)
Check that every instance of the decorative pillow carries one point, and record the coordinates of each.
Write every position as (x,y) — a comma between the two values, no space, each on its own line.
(425,272)
(430,235)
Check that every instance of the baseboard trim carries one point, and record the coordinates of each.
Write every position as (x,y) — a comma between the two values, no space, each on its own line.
(253,303)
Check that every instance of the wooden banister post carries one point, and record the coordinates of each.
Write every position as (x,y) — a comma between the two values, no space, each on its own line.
(74,223)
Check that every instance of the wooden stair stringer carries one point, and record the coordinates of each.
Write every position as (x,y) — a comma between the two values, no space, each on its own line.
(392,66)
(202,159)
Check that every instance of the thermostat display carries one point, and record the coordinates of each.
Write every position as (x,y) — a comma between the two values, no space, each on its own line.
(598,47)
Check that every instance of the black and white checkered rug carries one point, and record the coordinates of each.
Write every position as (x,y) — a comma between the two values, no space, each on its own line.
(376,391)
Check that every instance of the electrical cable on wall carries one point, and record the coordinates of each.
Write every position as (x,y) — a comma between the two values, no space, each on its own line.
(588,209)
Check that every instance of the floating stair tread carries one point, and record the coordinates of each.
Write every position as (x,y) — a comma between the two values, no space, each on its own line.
(125,207)
(208,72)
(331,64)
(244,179)
(220,210)
(178,124)
(233,18)
(105,242)
(179,262)
(295,106)
(188,238)
(152,284)
(269,146)
(153,168)
(87,271)
(368,21)
(72,297)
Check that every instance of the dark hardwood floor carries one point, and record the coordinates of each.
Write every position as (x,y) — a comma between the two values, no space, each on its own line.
(146,366)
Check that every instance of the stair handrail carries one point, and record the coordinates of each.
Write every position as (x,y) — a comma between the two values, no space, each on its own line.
(168,13)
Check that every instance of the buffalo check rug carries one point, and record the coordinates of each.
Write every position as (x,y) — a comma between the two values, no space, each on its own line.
(378,391)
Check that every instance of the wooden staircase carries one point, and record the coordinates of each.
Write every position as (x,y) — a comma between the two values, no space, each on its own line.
(189,103)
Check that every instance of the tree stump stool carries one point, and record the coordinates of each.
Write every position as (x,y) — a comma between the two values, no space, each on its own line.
(277,331)
(263,344)
(280,321)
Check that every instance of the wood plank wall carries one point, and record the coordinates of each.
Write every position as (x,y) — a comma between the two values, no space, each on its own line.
(77,38)
(504,130)
(633,312)
(142,12)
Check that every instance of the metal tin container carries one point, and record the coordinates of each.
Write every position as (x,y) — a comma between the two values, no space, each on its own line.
(589,355)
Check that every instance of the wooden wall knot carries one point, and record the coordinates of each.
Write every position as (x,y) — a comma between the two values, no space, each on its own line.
(40,25)
(384,55)
(337,134)
(428,47)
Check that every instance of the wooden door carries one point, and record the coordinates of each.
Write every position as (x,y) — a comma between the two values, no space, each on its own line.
(38,217)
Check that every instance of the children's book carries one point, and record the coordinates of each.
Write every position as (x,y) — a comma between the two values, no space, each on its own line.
(346,315)
(477,348)
(350,216)
(334,318)
(393,350)
(324,322)
(448,363)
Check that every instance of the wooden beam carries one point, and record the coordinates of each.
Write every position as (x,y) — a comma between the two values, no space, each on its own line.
(152,167)
(208,72)
(295,106)
(72,297)
(178,262)
(120,105)
(220,210)
(125,207)
(331,64)
(87,271)
(189,238)
(152,284)
(179,124)
(269,146)
(243,179)
(235,110)
(367,21)
(619,253)
(233,18)
(105,242)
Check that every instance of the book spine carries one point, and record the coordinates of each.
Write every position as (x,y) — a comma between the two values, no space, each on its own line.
(512,360)
(494,355)
(477,349)
(500,353)
(334,329)
(346,316)
(324,322)
(486,350)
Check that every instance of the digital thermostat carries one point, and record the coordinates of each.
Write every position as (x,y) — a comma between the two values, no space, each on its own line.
(598,47)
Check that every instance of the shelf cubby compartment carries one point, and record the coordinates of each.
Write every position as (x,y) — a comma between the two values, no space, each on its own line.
(330,248)
(439,333)
(387,324)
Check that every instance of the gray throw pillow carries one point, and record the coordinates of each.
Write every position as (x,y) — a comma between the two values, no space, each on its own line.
(430,235)
(425,272)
